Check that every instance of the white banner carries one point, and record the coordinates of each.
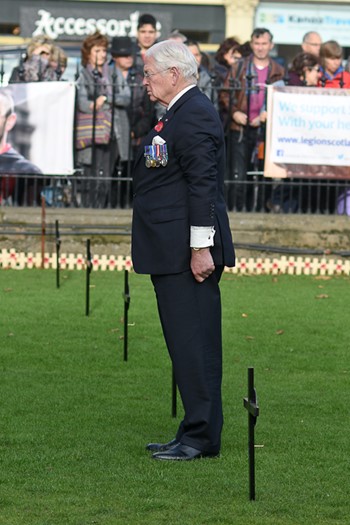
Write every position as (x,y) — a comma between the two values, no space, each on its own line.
(43,132)
(288,22)
(308,127)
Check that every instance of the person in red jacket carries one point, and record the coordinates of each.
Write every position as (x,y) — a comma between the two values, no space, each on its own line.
(333,74)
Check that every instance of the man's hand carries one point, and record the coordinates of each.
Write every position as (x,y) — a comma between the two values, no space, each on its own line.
(240,118)
(255,123)
(202,264)
(260,119)
(263,117)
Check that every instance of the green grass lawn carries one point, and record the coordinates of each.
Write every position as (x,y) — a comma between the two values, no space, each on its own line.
(75,418)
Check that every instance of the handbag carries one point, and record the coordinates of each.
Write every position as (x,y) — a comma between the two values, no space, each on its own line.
(84,129)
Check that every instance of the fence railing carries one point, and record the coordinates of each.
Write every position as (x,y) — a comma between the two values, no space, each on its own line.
(261,195)
(253,194)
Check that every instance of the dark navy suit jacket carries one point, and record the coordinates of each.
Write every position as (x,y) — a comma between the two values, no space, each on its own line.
(188,191)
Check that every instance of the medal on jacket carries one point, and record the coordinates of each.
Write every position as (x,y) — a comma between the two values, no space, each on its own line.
(156,155)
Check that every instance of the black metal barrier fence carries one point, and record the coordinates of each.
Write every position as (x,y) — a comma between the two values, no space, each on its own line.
(254,193)
(304,196)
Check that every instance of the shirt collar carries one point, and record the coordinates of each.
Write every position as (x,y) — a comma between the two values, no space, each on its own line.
(179,95)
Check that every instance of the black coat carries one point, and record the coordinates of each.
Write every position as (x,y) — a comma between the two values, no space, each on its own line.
(189,191)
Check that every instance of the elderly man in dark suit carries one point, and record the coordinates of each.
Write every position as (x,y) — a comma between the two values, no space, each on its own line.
(181,237)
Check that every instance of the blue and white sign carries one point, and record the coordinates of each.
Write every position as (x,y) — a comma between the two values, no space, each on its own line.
(289,22)
(311,129)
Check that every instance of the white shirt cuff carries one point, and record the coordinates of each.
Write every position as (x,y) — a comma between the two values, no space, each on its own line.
(202,236)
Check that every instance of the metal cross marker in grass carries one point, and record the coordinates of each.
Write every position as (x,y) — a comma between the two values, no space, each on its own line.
(58,246)
(126,297)
(88,271)
(251,404)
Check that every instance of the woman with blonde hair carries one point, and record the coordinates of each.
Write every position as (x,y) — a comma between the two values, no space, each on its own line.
(36,64)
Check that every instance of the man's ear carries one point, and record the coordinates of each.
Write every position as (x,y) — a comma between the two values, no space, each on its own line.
(10,121)
(175,75)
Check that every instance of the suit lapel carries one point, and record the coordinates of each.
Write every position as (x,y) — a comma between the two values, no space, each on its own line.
(165,120)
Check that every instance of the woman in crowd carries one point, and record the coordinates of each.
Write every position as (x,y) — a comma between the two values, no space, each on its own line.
(333,73)
(304,70)
(58,61)
(227,54)
(95,97)
(135,120)
(225,57)
(36,64)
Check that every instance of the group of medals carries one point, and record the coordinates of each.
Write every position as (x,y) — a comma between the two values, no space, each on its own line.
(156,155)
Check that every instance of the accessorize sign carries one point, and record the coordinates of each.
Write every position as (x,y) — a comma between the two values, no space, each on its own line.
(75,24)
(308,133)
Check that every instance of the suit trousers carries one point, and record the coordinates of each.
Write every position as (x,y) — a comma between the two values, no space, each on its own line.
(190,315)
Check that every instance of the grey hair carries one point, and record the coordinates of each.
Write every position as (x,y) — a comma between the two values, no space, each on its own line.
(308,34)
(170,53)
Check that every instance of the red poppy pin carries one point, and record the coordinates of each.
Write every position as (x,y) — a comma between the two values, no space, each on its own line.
(158,127)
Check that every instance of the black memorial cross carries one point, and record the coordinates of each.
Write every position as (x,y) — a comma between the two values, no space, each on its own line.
(58,246)
(88,271)
(126,297)
(251,404)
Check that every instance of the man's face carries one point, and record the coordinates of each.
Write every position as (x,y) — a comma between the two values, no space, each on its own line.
(146,36)
(158,82)
(332,64)
(196,53)
(261,46)
(124,63)
(312,44)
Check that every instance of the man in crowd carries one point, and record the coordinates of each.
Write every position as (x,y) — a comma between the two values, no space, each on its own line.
(204,79)
(311,43)
(181,237)
(247,108)
(146,36)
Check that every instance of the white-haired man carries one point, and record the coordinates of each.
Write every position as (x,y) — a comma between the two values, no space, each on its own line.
(182,238)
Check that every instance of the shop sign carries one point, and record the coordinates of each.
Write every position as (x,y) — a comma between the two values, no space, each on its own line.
(289,22)
(73,24)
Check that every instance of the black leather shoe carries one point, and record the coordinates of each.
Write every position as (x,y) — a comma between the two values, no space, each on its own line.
(181,452)
(161,447)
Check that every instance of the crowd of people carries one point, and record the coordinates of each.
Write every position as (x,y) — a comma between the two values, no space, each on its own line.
(110,86)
